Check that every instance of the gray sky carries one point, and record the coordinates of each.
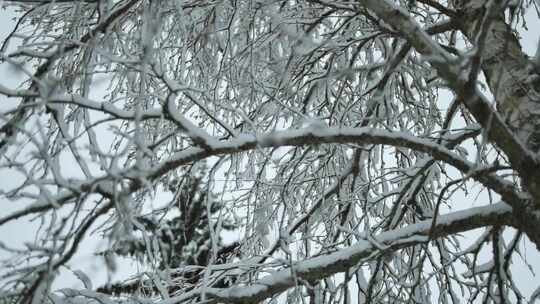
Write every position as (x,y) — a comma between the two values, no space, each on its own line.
(16,233)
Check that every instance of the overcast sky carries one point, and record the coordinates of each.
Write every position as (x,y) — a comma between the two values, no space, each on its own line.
(17,232)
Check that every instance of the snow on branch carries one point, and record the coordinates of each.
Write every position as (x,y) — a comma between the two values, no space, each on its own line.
(449,68)
(307,136)
(340,261)
(297,137)
(302,124)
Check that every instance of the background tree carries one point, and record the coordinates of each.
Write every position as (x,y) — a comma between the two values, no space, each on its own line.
(331,142)
(183,242)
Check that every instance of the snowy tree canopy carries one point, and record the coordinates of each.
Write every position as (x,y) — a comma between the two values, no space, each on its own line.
(241,151)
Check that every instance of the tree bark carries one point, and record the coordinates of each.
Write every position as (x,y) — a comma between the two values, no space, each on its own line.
(509,73)
(513,83)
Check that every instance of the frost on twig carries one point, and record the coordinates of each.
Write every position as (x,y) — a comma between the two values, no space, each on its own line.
(290,151)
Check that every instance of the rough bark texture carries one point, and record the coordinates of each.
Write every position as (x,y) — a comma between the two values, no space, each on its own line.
(509,73)
(512,81)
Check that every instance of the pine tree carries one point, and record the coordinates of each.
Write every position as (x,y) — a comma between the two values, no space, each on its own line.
(183,240)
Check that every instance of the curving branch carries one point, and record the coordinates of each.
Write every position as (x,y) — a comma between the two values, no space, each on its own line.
(342,260)
(514,145)
(298,137)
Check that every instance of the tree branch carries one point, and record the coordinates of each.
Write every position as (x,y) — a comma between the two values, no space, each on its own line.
(340,261)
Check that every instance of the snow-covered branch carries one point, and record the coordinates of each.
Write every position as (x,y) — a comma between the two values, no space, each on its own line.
(235,150)
(342,260)
(515,143)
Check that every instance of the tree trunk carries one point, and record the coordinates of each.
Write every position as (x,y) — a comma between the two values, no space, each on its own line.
(513,82)
(509,73)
